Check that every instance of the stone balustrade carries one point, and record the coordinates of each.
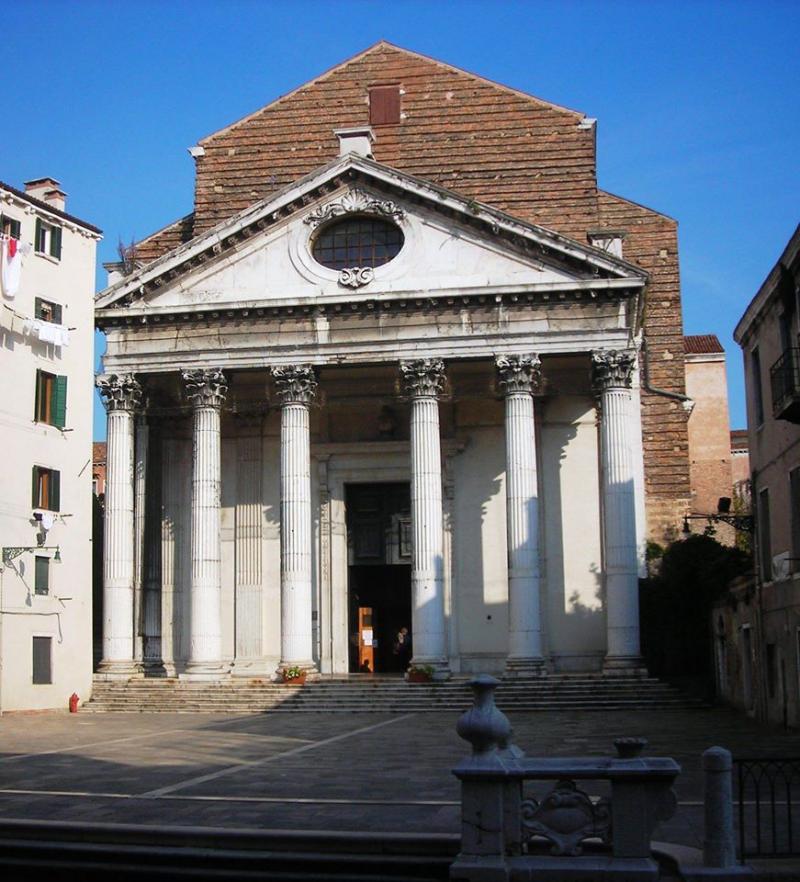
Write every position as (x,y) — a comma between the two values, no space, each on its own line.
(512,828)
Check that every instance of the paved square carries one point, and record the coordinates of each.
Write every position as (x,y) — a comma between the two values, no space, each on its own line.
(305,771)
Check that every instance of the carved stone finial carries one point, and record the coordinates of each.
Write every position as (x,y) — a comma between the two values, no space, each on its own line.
(484,725)
(296,383)
(612,369)
(519,373)
(423,378)
(356,201)
(119,392)
(205,387)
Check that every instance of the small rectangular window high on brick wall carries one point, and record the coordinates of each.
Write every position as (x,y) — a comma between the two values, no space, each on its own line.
(384,105)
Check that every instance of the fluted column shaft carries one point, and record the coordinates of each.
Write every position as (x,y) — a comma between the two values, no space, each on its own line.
(423,381)
(612,380)
(519,376)
(296,385)
(151,579)
(122,395)
(206,389)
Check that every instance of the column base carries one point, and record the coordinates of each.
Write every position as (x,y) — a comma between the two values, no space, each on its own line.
(154,668)
(115,669)
(309,668)
(441,667)
(624,666)
(525,667)
(253,669)
(206,670)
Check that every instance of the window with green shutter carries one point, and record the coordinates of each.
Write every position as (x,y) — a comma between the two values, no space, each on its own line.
(41,581)
(47,239)
(40,236)
(10,226)
(55,242)
(51,399)
(47,310)
(60,403)
(46,488)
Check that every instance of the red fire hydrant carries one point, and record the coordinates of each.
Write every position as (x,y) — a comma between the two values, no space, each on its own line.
(73,703)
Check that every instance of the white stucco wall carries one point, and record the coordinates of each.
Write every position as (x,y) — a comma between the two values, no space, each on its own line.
(570,486)
(65,613)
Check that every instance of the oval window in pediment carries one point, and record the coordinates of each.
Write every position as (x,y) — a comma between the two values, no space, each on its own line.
(359,241)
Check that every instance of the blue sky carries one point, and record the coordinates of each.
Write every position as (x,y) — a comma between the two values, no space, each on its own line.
(697,107)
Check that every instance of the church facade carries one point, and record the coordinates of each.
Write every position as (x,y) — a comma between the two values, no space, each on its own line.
(404,366)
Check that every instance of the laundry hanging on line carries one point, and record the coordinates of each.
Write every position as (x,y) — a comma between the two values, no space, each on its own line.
(12,253)
(47,332)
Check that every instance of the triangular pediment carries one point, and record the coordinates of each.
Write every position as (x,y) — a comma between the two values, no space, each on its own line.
(451,246)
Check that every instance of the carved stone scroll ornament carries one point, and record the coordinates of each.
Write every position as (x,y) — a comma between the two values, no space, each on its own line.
(205,387)
(356,276)
(296,383)
(612,369)
(423,378)
(566,817)
(120,392)
(519,373)
(354,202)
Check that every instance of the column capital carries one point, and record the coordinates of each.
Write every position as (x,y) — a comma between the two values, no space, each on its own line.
(423,378)
(296,383)
(205,387)
(119,392)
(612,369)
(519,373)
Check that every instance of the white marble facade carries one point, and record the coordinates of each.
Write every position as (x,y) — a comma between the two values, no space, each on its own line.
(490,366)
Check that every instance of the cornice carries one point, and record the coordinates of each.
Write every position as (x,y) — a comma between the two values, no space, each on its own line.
(574,292)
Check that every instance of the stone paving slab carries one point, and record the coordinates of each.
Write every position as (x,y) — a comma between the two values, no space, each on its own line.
(374,772)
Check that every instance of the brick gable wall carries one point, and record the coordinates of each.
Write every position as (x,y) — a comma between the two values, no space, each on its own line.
(485,142)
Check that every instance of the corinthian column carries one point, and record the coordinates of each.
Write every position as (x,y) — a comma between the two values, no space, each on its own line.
(520,377)
(206,390)
(297,387)
(423,381)
(611,378)
(121,395)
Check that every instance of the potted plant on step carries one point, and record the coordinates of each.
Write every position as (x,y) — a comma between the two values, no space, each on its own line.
(293,674)
(420,674)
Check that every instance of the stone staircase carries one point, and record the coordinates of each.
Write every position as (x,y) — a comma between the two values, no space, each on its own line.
(376,694)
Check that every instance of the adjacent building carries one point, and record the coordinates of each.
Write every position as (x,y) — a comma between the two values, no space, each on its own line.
(405,363)
(46,363)
(709,432)
(759,634)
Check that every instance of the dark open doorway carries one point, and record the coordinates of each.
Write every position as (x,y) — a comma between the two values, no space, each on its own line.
(379,574)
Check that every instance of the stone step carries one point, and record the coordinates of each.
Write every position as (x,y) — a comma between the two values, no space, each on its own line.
(146,707)
(383,695)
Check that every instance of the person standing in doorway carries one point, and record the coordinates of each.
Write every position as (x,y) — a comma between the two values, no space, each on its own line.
(402,648)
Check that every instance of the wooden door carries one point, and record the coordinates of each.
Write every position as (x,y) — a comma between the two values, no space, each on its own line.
(366,640)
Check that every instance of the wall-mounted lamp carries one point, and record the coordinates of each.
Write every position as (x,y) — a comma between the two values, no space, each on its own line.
(12,551)
(743,522)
